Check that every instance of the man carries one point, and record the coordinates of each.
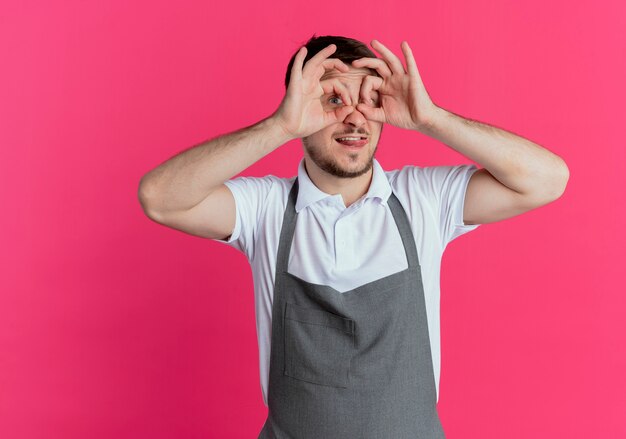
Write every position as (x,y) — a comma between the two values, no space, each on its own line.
(345,256)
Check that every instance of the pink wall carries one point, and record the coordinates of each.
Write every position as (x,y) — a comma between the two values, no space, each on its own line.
(114,326)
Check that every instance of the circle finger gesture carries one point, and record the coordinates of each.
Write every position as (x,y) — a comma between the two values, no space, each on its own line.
(301,112)
(402,97)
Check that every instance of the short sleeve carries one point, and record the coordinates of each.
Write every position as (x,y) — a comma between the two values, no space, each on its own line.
(250,194)
(447,186)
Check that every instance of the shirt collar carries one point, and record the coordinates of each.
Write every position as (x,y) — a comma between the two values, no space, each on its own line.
(309,194)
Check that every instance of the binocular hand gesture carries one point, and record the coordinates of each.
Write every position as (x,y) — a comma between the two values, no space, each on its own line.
(403,99)
(301,111)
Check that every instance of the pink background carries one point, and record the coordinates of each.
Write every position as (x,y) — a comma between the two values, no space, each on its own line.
(114,326)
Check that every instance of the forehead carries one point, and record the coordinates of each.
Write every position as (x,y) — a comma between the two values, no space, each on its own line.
(350,79)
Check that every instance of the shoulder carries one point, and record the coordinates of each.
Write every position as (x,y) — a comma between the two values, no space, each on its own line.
(406,179)
(428,179)
(259,183)
(259,187)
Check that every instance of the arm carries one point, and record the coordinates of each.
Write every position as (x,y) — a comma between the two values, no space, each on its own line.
(187,192)
(195,177)
(519,175)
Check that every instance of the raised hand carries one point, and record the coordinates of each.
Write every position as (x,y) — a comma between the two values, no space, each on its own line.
(301,111)
(402,97)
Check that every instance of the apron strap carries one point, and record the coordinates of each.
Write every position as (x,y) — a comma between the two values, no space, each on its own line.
(404,227)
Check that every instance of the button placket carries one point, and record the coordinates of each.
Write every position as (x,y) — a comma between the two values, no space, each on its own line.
(344,243)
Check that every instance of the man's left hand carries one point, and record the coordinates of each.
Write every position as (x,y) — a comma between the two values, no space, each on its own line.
(402,97)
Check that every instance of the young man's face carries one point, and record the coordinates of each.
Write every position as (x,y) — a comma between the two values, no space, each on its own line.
(322,148)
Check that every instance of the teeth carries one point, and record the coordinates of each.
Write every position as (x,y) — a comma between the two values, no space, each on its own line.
(348,138)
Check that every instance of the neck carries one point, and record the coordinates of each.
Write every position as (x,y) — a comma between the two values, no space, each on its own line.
(351,189)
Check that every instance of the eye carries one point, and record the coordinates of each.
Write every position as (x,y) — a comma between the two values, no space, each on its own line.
(335,97)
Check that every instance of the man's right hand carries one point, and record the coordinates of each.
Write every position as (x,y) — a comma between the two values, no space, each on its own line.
(301,111)
(188,193)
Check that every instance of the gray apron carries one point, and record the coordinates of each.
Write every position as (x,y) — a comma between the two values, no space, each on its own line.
(351,365)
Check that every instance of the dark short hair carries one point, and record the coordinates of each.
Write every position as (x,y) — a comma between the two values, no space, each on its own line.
(348,49)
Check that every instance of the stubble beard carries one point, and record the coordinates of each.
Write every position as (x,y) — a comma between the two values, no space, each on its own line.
(331,166)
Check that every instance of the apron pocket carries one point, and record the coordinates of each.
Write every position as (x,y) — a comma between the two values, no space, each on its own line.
(318,346)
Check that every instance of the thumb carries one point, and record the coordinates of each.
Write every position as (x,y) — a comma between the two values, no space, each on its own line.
(340,113)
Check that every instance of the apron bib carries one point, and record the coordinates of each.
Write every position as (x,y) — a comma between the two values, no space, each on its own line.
(351,365)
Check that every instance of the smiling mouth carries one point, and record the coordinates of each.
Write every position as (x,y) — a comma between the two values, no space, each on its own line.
(352,141)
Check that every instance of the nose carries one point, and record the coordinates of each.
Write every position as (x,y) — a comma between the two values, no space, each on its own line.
(355,118)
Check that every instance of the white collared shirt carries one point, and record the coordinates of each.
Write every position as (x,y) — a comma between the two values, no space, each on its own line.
(348,247)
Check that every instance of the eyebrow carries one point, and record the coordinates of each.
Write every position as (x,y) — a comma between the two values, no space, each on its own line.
(333,93)
(345,84)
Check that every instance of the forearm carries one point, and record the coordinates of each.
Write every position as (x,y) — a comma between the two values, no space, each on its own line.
(190,176)
(516,162)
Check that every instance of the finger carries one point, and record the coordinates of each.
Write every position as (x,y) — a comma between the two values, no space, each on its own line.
(317,59)
(333,86)
(372,113)
(373,63)
(369,85)
(410,60)
(296,68)
(389,56)
(338,115)
(329,65)
(335,63)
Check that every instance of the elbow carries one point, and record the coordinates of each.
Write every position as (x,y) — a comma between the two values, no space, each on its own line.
(145,200)
(556,187)
(551,187)
(561,182)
